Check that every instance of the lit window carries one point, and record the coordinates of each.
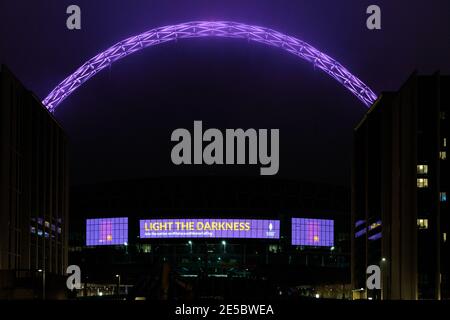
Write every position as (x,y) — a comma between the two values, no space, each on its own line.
(422,183)
(422,223)
(444,142)
(422,169)
(443,115)
(443,196)
(443,155)
(375,225)
(444,237)
(360,233)
(273,248)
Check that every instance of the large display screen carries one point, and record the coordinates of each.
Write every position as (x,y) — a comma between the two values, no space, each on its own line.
(312,232)
(210,228)
(107,231)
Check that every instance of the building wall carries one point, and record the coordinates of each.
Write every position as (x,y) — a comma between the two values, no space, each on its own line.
(33,184)
(401,131)
(444,187)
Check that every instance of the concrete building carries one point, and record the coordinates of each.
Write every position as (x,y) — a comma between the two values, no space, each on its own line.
(400,218)
(33,193)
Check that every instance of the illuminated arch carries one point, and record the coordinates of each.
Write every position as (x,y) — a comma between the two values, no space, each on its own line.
(198,29)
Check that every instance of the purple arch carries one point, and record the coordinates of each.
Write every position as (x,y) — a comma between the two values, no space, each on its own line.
(197,29)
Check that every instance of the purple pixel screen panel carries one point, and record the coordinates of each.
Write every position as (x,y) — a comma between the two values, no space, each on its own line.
(312,232)
(210,228)
(106,231)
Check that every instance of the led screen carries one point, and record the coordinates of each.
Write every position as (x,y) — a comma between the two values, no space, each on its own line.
(210,228)
(108,231)
(312,232)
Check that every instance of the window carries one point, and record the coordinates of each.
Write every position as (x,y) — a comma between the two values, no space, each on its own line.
(273,248)
(375,225)
(443,155)
(422,183)
(444,237)
(443,196)
(444,142)
(422,223)
(443,115)
(422,169)
(360,233)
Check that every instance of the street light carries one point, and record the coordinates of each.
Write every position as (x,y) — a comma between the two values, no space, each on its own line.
(118,286)
(43,282)
(190,245)
(224,243)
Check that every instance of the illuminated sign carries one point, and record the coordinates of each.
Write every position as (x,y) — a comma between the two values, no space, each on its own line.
(107,231)
(312,232)
(210,228)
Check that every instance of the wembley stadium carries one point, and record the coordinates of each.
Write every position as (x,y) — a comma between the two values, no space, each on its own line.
(211,237)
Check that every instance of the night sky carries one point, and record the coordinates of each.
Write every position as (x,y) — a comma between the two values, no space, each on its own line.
(119,123)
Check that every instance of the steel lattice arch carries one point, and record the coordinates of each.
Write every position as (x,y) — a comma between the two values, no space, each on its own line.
(199,29)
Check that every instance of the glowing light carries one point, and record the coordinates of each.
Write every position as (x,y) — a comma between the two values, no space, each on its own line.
(107,231)
(203,29)
(312,232)
(209,228)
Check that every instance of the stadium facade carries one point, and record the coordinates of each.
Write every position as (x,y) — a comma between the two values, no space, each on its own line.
(211,237)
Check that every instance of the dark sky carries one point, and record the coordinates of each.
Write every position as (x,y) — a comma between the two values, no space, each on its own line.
(119,123)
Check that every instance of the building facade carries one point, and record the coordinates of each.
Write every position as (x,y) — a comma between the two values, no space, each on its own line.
(33,191)
(225,262)
(400,218)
